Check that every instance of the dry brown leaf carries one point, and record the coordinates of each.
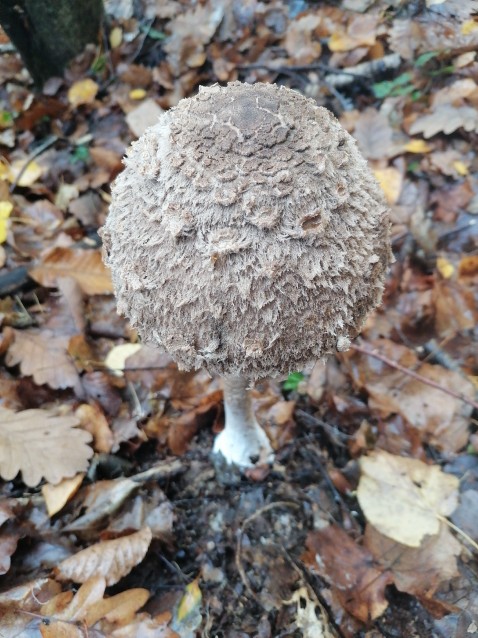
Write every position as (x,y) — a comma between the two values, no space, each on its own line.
(57,496)
(361,30)
(111,559)
(446,118)
(144,626)
(441,418)
(301,42)
(416,570)
(405,499)
(375,136)
(94,421)
(119,609)
(350,571)
(45,357)
(145,115)
(40,444)
(8,545)
(85,266)
(190,32)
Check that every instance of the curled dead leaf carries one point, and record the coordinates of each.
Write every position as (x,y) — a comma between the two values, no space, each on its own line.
(112,559)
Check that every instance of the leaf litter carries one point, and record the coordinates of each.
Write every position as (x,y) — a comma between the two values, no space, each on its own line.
(374,459)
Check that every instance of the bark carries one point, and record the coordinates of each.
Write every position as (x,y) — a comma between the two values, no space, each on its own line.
(49,33)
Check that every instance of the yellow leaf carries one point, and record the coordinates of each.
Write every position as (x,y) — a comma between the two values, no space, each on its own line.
(460,167)
(190,601)
(390,179)
(137,94)
(116,358)
(417,146)
(29,172)
(116,37)
(405,499)
(445,268)
(57,496)
(5,210)
(82,92)
(468,27)
(341,42)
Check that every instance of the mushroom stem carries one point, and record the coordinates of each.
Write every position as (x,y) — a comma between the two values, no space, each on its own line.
(242,442)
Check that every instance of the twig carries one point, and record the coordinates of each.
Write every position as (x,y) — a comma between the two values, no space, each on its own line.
(245,524)
(414,375)
(341,77)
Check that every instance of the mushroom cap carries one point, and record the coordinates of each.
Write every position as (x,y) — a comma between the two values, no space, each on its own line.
(247,234)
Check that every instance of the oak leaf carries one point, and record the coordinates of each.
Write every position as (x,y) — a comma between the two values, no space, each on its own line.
(112,559)
(40,444)
(405,499)
(85,266)
(44,356)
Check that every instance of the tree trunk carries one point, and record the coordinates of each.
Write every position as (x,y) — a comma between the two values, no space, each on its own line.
(49,33)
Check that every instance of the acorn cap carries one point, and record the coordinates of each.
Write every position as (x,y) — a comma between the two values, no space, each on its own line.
(247,234)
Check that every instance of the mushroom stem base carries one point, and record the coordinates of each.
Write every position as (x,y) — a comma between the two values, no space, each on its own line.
(242,442)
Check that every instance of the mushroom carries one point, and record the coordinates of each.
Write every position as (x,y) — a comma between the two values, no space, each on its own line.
(248,236)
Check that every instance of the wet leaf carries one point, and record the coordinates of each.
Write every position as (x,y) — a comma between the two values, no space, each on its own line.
(405,499)
(112,559)
(40,444)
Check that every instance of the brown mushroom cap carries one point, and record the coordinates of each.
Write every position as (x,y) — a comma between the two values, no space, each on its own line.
(247,234)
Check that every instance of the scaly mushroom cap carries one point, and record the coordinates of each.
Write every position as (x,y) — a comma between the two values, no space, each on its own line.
(246,234)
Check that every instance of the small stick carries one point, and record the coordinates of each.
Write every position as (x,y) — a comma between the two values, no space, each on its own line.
(245,524)
(418,377)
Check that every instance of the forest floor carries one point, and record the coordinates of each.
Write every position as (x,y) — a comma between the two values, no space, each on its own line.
(114,519)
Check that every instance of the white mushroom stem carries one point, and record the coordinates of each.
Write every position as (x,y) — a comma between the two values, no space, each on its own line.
(242,442)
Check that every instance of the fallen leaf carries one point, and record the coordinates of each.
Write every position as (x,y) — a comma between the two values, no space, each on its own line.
(82,92)
(405,499)
(391,181)
(85,266)
(416,570)
(116,37)
(442,419)
(44,357)
(188,616)
(306,616)
(445,267)
(137,94)
(5,210)
(301,41)
(94,421)
(145,115)
(417,146)
(362,30)
(350,570)
(117,356)
(8,545)
(57,496)
(40,444)
(112,559)
(23,172)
